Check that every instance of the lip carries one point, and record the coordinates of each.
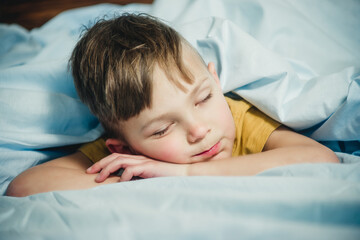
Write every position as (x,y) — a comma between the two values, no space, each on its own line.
(211,151)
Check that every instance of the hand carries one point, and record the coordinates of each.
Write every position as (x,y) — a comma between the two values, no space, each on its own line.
(135,166)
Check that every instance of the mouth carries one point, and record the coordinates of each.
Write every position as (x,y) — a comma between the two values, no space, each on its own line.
(211,151)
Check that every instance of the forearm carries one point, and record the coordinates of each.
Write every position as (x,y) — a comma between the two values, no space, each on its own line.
(255,163)
(55,175)
(52,179)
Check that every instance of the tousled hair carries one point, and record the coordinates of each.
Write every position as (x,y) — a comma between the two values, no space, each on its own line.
(113,64)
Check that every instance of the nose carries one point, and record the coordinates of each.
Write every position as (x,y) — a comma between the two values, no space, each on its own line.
(197,132)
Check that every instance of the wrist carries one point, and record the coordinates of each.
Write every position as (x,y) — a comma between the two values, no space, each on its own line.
(187,171)
(194,169)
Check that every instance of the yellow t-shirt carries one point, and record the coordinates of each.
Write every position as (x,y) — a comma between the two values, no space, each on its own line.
(253,128)
(95,150)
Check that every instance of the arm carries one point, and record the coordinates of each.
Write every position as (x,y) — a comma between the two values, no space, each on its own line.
(66,173)
(283,147)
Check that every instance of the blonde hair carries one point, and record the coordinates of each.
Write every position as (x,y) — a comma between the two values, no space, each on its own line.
(113,63)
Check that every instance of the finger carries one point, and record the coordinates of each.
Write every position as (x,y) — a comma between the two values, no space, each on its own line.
(93,169)
(131,172)
(128,174)
(110,168)
(96,167)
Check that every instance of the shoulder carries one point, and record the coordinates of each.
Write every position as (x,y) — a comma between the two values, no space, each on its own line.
(253,127)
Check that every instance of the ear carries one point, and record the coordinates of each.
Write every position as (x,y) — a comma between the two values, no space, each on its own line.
(117,146)
(212,70)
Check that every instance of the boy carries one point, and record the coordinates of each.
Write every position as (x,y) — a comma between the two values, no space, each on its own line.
(164,114)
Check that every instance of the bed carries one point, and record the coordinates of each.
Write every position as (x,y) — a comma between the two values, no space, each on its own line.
(297,61)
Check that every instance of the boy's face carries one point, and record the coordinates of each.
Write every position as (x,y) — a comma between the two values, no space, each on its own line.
(184,126)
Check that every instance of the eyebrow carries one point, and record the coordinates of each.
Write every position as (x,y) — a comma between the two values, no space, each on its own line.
(196,89)
(164,115)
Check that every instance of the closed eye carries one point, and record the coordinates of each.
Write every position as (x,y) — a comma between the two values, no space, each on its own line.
(205,99)
(161,132)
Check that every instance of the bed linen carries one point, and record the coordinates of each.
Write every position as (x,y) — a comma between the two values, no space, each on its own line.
(298,61)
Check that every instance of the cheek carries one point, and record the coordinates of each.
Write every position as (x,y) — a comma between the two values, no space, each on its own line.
(167,149)
(218,110)
(168,152)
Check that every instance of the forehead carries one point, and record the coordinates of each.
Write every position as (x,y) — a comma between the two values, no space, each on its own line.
(192,60)
(194,67)
(166,94)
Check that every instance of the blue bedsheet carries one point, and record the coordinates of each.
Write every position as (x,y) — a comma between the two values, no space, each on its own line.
(298,61)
